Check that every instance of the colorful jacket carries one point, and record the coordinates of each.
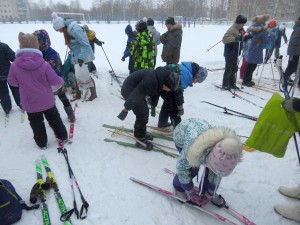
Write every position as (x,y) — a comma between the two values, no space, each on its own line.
(80,46)
(66,69)
(130,39)
(143,50)
(6,56)
(34,77)
(196,138)
(91,35)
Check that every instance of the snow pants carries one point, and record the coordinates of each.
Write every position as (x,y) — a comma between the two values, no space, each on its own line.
(141,111)
(229,77)
(5,97)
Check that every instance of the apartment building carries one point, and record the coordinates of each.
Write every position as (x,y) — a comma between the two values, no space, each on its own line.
(13,10)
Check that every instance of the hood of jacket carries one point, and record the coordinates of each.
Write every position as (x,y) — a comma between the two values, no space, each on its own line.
(186,75)
(29,58)
(44,39)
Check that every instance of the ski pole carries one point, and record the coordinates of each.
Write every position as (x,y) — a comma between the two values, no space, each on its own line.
(107,59)
(213,46)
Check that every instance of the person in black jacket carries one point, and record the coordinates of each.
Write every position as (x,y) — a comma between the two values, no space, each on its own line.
(138,85)
(7,55)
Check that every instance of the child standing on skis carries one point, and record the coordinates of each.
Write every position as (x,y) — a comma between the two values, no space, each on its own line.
(34,77)
(217,149)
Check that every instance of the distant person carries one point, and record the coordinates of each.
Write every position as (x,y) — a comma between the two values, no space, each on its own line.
(273,29)
(171,41)
(281,34)
(131,36)
(34,76)
(155,34)
(7,55)
(91,35)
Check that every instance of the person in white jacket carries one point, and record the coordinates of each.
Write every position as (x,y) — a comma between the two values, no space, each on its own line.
(155,34)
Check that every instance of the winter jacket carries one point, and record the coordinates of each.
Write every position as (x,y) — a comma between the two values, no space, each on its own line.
(6,56)
(142,50)
(196,138)
(91,35)
(130,39)
(232,48)
(260,36)
(156,36)
(34,77)
(79,45)
(272,34)
(281,33)
(66,68)
(294,44)
(142,83)
(172,43)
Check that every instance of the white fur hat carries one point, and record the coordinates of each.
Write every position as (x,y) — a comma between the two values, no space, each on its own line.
(58,22)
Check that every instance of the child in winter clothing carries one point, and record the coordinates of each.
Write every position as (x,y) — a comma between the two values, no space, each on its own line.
(218,149)
(155,34)
(6,57)
(246,43)
(143,48)
(131,36)
(138,85)
(53,58)
(82,52)
(34,76)
(190,73)
(91,35)
(281,34)
(232,49)
(68,74)
(273,32)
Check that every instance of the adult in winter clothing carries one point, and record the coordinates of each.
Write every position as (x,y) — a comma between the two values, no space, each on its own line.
(232,49)
(131,36)
(293,51)
(91,35)
(34,77)
(217,149)
(136,87)
(190,73)
(76,40)
(260,36)
(171,41)
(53,58)
(155,34)
(7,55)
(143,47)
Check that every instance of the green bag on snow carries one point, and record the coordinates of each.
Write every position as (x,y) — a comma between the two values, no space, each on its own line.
(274,128)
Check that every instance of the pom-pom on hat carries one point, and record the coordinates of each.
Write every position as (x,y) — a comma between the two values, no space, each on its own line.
(272,23)
(128,29)
(172,81)
(58,22)
(224,156)
(240,19)
(28,41)
(170,20)
(198,72)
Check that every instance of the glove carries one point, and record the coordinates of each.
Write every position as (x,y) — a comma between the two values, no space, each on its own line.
(153,113)
(123,59)
(122,115)
(238,38)
(80,62)
(246,37)
(180,110)
(197,199)
(288,105)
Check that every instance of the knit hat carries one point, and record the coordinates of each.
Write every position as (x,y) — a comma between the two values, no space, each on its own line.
(128,29)
(170,20)
(224,156)
(141,26)
(272,23)
(281,27)
(198,72)
(172,81)
(58,22)
(28,41)
(240,19)
(150,22)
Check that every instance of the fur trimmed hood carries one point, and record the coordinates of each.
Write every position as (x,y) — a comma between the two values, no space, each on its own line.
(261,19)
(208,139)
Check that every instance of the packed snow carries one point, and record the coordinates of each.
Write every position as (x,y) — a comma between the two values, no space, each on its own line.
(103,169)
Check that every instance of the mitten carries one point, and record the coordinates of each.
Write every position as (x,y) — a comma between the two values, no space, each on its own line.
(123,59)
(197,199)
(180,110)
(122,115)
(238,38)
(80,62)
(153,113)
(288,105)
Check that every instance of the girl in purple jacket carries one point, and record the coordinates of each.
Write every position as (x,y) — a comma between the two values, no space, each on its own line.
(34,77)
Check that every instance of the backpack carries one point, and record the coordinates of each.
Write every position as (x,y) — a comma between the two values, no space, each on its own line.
(11,204)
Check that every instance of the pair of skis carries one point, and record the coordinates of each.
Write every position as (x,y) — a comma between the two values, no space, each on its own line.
(226,207)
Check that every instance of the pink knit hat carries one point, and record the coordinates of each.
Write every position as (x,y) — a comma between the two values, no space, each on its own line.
(224,156)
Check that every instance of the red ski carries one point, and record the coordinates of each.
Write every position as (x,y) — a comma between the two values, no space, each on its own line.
(71,131)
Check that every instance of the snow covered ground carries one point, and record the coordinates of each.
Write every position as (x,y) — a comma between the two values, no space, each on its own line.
(103,169)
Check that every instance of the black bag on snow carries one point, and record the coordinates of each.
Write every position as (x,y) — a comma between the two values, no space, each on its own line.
(11,204)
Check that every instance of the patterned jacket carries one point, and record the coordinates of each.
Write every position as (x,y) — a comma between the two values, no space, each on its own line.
(143,50)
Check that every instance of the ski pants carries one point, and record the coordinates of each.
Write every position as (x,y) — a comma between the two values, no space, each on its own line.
(91,67)
(141,112)
(169,109)
(5,97)
(131,65)
(249,72)
(38,126)
(231,67)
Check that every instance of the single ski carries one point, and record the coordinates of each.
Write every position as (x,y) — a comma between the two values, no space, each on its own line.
(115,77)
(6,120)
(216,69)
(226,207)
(22,116)
(71,131)
(42,193)
(170,194)
(168,131)
(131,145)
(52,183)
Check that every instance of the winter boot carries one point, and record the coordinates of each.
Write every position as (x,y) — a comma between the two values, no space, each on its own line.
(164,124)
(293,192)
(93,92)
(148,145)
(289,211)
(77,94)
(70,113)
(218,200)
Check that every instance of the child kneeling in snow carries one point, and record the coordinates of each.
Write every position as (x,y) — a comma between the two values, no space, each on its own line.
(218,149)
